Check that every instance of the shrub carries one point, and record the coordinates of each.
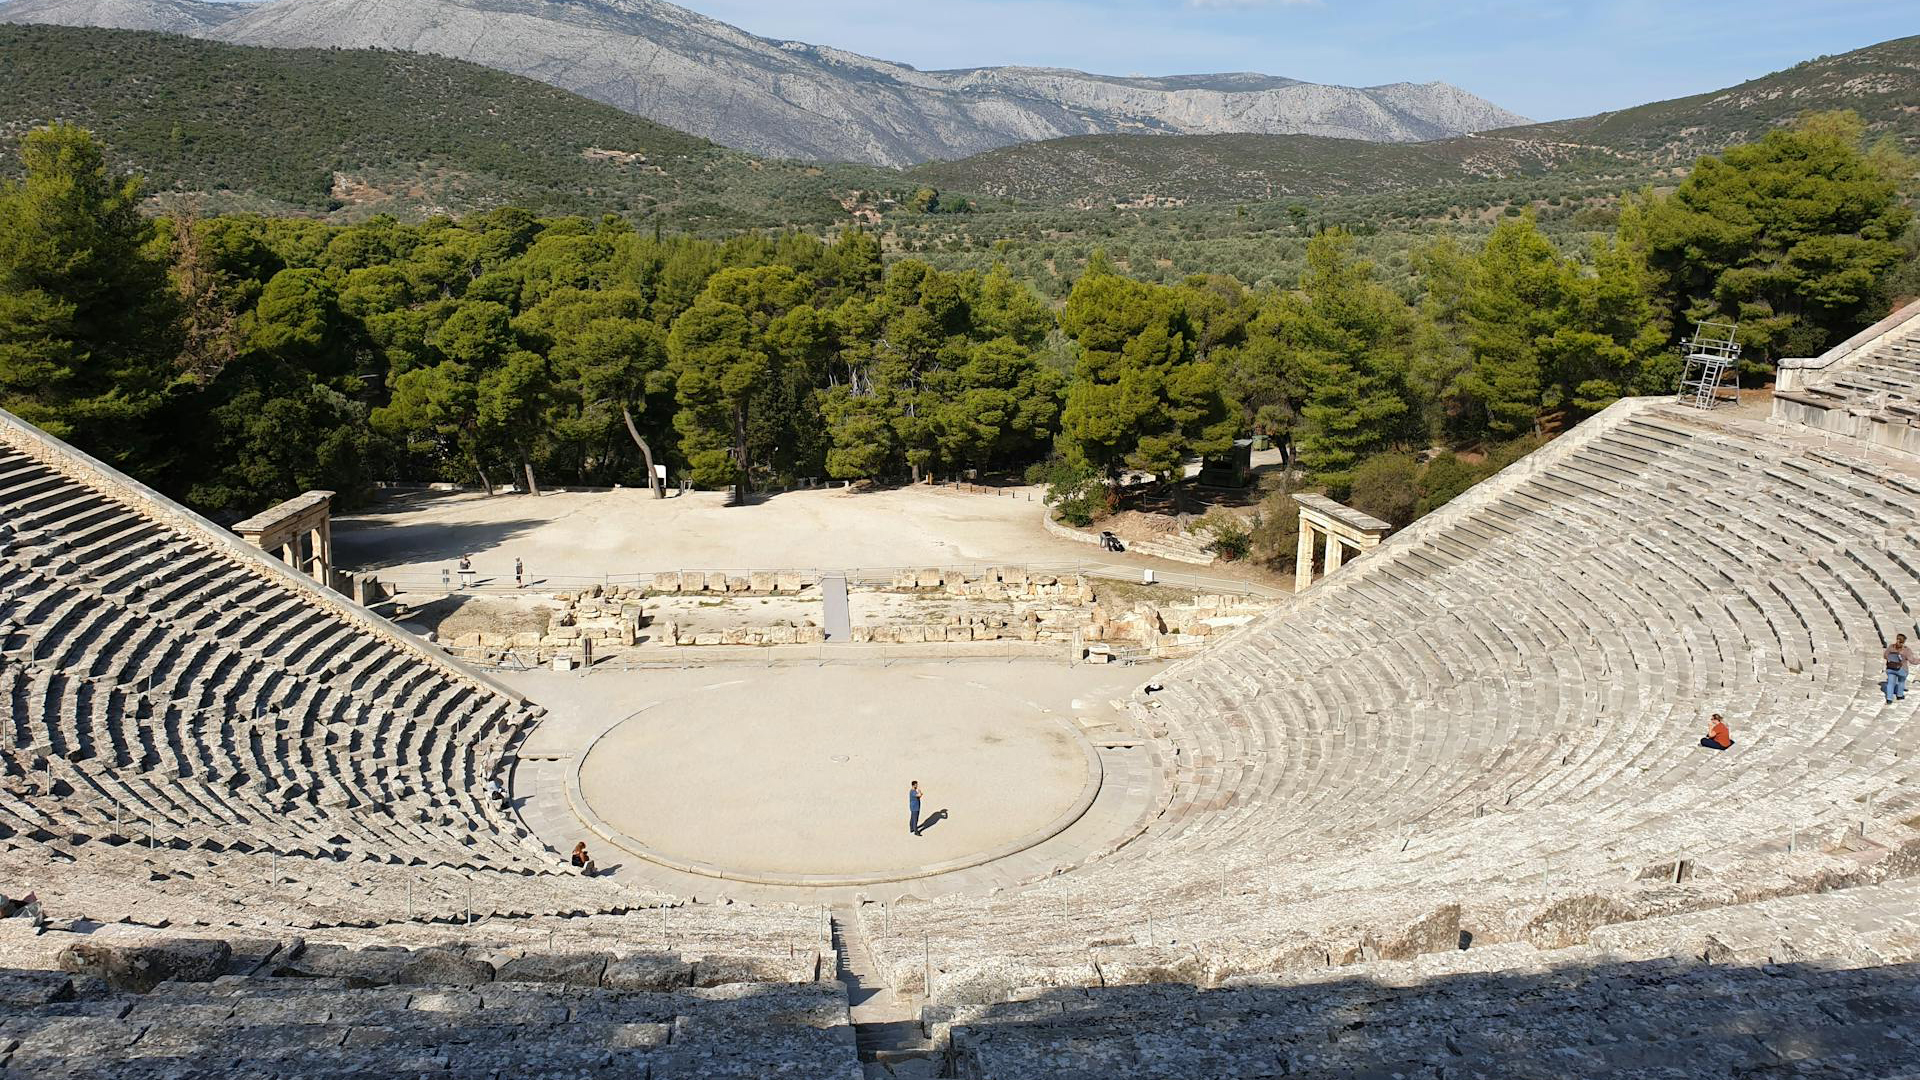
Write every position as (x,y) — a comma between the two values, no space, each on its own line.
(1444,478)
(1387,486)
(1226,535)
(1078,494)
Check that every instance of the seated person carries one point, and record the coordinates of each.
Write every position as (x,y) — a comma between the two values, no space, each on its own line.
(583,860)
(1717,737)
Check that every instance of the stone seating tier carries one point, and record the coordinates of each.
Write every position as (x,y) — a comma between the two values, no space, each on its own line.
(1499,710)
(163,684)
(132,1009)
(1806,986)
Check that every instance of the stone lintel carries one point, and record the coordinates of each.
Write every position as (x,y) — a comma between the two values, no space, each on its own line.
(274,526)
(1346,518)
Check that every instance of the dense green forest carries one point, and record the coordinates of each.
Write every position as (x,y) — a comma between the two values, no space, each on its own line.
(348,135)
(234,360)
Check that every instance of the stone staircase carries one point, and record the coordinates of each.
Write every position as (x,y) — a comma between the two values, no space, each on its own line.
(1867,388)
(886,1027)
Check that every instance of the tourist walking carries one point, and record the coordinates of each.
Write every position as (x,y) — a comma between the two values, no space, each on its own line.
(1717,737)
(583,860)
(466,571)
(913,808)
(519,575)
(1899,658)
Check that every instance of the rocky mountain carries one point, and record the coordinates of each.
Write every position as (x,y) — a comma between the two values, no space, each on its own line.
(1881,83)
(791,99)
(172,16)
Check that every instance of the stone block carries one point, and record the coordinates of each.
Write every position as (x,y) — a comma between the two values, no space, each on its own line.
(780,635)
(929,578)
(1567,922)
(811,635)
(739,584)
(786,582)
(1437,931)
(443,967)
(726,970)
(1134,964)
(862,635)
(761,581)
(571,969)
(140,968)
(706,639)
(652,972)
(716,582)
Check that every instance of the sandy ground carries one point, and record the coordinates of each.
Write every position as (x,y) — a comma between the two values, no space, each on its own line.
(791,772)
(804,769)
(574,537)
(576,534)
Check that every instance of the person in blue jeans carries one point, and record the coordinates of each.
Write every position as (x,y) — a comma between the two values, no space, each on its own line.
(1899,661)
(913,808)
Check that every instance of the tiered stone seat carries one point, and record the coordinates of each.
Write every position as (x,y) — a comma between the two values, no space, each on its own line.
(182,711)
(1866,388)
(131,1009)
(1809,986)
(1499,710)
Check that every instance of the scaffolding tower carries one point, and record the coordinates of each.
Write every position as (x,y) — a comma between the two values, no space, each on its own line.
(1712,375)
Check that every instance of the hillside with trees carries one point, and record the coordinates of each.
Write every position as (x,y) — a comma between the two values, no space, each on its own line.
(235,359)
(349,134)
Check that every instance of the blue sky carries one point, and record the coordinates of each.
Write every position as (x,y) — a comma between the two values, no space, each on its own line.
(1546,60)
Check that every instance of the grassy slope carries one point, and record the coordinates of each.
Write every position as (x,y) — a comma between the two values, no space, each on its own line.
(269,129)
(1881,82)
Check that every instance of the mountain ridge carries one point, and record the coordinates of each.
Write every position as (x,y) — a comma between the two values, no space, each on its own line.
(1881,82)
(796,99)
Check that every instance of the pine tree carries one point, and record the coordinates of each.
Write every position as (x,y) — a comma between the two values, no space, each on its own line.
(86,311)
(1346,338)
(1792,237)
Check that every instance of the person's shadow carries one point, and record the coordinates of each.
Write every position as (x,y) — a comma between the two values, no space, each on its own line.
(933,819)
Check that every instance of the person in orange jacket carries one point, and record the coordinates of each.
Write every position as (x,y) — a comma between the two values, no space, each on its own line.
(1717,737)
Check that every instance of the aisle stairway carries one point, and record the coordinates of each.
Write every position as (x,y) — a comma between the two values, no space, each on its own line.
(1867,388)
